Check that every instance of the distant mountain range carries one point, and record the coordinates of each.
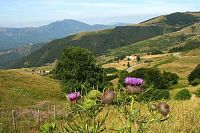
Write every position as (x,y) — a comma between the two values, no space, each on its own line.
(169,30)
(16,37)
(104,41)
(16,43)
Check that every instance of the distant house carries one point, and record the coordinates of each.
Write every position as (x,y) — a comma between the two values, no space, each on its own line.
(131,57)
(47,72)
(41,72)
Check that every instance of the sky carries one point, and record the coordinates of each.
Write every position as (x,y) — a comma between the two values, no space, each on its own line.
(26,13)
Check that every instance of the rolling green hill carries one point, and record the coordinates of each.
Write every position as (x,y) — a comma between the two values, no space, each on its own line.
(101,41)
(188,35)
(7,57)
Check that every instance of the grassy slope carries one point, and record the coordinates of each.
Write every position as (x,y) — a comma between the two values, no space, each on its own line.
(21,88)
(180,63)
(184,118)
(99,42)
(34,89)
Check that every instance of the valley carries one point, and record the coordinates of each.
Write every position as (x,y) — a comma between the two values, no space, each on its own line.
(37,85)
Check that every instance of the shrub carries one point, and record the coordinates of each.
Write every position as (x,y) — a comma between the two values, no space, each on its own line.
(172,78)
(111,77)
(197,93)
(128,65)
(153,76)
(159,82)
(78,66)
(162,94)
(138,58)
(195,82)
(194,76)
(183,95)
(110,70)
(155,52)
(154,94)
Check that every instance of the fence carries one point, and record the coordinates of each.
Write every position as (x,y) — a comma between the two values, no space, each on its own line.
(28,119)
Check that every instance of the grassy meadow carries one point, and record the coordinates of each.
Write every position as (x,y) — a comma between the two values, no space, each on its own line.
(27,92)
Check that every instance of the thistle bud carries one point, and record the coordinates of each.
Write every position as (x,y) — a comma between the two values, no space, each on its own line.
(108,97)
(163,108)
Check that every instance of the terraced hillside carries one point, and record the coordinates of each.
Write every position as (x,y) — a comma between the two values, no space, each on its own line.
(101,41)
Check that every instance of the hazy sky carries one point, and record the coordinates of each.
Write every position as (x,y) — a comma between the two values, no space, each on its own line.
(20,13)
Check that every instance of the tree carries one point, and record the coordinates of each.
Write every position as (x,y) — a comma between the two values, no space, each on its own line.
(194,76)
(138,58)
(128,65)
(183,94)
(78,66)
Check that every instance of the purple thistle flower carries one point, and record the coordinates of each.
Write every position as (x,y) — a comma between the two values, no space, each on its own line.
(73,96)
(133,81)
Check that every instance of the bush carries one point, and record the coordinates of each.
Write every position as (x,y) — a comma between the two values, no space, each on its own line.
(155,52)
(194,76)
(154,94)
(183,95)
(110,70)
(162,94)
(111,77)
(197,93)
(78,66)
(152,76)
(172,78)
(195,82)
(154,79)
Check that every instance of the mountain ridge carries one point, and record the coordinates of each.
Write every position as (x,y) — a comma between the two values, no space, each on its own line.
(16,37)
(101,41)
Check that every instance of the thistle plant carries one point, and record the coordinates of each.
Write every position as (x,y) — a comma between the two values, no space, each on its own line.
(133,85)
(135,121)
(86,111)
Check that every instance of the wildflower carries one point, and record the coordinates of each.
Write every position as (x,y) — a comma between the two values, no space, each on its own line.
(108,97)
(134,81)
(133,85)
(73,96)
(163,108)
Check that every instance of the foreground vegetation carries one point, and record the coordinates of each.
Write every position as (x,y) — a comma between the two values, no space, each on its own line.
(44,93)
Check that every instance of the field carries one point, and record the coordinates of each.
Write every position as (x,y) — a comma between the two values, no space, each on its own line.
(26,93)
(21,88)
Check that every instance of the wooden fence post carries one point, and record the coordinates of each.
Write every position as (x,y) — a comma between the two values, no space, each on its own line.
(54,111)
(38,118)
(14,121)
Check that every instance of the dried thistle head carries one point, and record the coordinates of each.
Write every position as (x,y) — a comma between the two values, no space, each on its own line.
(133,89)
(108,97)
(163,108)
